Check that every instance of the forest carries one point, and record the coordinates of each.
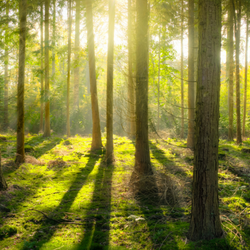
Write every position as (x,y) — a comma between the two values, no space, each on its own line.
(124,124)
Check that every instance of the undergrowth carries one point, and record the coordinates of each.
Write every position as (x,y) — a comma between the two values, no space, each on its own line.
(66,197)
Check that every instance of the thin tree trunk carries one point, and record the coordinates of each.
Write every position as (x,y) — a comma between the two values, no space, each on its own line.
(159,81)
(77,50)
(191,85)
(47,94)
(20,155)
(131,86)
(69,59)
(231,70)
(42,72)
(182,91)
(245,89)
(6,72)
(3,184)
(237,39)
(96,132)
(54,42)
(142,157)
(110,69)
(205,219)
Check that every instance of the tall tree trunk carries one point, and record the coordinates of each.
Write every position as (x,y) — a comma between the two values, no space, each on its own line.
(110,69)
(182,91)
(191,85)
(237,40)
(131,85)
(205,219)
(77,51)
(159,81)
(20,155)
(96,132)
(142,166)
(245,89)
(6,73)
(47,94)
(42,71)
(54,42)
(231,70)
(3,184)
(69,59)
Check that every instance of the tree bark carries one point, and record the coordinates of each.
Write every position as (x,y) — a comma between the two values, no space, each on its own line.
(3,184)
(237,41)
(142,157)
(47,94)
(191,85)
(42,72)
(205,220)
(182,91)
(20,155)
(6,74)
(110,69)
(77,51)
(245,87)
(96,132)
(54,42)
(231,70)
(159,81)
(131,85)
(69,59)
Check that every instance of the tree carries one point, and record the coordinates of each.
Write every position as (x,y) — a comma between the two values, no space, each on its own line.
(205,219)
(3,184)
(131,87)
(246,66)
(6,72)
(69,59)
(191,86)
(142,166)
(47,97)
(96,131)
(182,91)
(77,50)
(110,69)
(20,154)
(53,41)
(231,69)
(237,51)
(42,70)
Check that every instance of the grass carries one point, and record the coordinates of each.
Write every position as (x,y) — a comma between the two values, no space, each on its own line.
(69,199)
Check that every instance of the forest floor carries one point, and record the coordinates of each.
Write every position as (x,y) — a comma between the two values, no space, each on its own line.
(67,198)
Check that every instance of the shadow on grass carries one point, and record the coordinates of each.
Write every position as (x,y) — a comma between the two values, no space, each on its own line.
(97,231)
(45,231)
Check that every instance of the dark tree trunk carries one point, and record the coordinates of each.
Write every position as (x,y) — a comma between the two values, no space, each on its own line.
(69,59)
(47,96)
(96,132)
(110,69)
(237,49)
(6,74)
(142,166)
(3,184)
(191,85)
(42,72)
(77,51)
(231,70)
(245,87)
(20,155)
(205,218)
(131,85)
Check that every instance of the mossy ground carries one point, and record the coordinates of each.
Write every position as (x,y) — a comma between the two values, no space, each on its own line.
(69,199)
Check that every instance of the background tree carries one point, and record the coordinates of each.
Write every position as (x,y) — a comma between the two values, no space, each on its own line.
(47,94)
(110,69)
(42,70)
(205,219)
(20,154)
